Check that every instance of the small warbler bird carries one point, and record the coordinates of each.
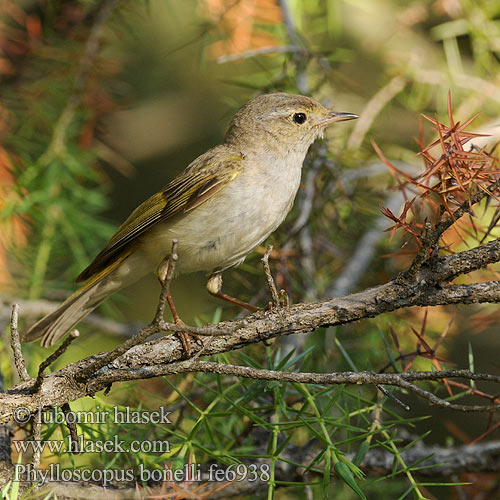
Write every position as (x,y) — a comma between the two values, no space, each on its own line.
(226,202)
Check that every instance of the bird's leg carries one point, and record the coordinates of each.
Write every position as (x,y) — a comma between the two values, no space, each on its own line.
(165,273)
(173,310)
(183,336)
(214,286)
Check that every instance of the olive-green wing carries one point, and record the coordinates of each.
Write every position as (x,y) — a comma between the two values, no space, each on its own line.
(207,175)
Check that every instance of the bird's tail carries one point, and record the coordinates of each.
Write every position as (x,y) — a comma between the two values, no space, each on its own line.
(53,326)
(56,324)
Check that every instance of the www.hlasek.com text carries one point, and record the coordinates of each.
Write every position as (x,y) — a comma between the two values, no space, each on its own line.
(113,445)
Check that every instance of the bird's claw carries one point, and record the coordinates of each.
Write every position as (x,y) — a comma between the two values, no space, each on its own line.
(184,337)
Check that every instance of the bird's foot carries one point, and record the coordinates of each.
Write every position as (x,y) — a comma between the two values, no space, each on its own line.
(185,338)
(186,342)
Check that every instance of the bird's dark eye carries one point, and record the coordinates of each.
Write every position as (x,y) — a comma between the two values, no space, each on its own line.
(299,118)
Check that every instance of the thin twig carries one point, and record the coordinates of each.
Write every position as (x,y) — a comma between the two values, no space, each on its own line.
(403,380)
(373,108)
(15,344)
(269,277)
(390,395)
(109,357)
(165,274)
(74,334)
(73,432)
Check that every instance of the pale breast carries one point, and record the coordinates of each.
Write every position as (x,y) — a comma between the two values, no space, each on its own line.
(223,230)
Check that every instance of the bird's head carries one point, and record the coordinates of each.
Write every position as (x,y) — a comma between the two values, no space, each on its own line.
(281,123)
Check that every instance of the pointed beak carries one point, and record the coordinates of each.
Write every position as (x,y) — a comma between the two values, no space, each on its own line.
(334,116)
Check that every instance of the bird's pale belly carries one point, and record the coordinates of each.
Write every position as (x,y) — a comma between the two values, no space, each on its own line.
(214,236)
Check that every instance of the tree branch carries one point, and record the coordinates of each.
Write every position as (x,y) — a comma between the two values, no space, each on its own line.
(163,356)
